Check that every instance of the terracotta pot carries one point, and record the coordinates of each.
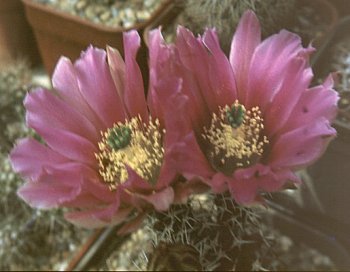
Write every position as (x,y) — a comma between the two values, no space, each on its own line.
(16,37)
(60,33)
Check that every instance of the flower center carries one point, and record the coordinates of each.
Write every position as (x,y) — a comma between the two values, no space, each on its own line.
(234,138)
(133,144)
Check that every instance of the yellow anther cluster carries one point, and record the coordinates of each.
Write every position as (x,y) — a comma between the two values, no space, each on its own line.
(144,153)
(236,144)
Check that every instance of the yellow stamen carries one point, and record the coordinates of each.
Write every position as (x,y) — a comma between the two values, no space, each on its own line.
(235,137)
(142,151)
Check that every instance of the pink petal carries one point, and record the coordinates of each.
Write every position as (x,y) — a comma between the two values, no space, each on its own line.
(276,180)
(160,200)
(243,191)
(157,48)
(244,187)
(194,57)
(153,103)
(160,56)
(183,190)
(164,61)
(245,40)
(84,200)
(176,126)
(179,141)
(135,182)
(128,198)
(100,215)
(198,112)
(302,145)
(189,159)
(44,164)
(160,69)
(65,81)
(220,71)
(45,195)
(219,183)
(97,189)
(93,184)
(168,171)
(30,158)
(269,61)
(144,190)
(134,95)
(296,81)
(45,110)
(117,68)
(52,189)
(69,144)
(97,86)
(166,97)
(319,101)
(248,183)
(98,218)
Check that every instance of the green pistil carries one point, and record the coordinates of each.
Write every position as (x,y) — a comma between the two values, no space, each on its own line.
(119,137)
(235,115)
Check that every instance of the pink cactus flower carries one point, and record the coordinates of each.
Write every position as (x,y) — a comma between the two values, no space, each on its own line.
(105,156)
(254,118)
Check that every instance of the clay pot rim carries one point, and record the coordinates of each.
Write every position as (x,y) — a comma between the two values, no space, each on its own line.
(100,27)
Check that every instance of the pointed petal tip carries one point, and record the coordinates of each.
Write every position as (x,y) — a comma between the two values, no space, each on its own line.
(156,35)
(132,36)
(183,31)
(250,16)
(111,49)
(90,52)
(180,28)
(21,193)
(62,62)
(30,195)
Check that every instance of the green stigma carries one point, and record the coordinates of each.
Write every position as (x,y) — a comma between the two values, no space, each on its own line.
(119,137)
(235,115)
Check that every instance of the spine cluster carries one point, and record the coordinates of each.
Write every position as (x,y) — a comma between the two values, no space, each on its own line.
(219,230)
